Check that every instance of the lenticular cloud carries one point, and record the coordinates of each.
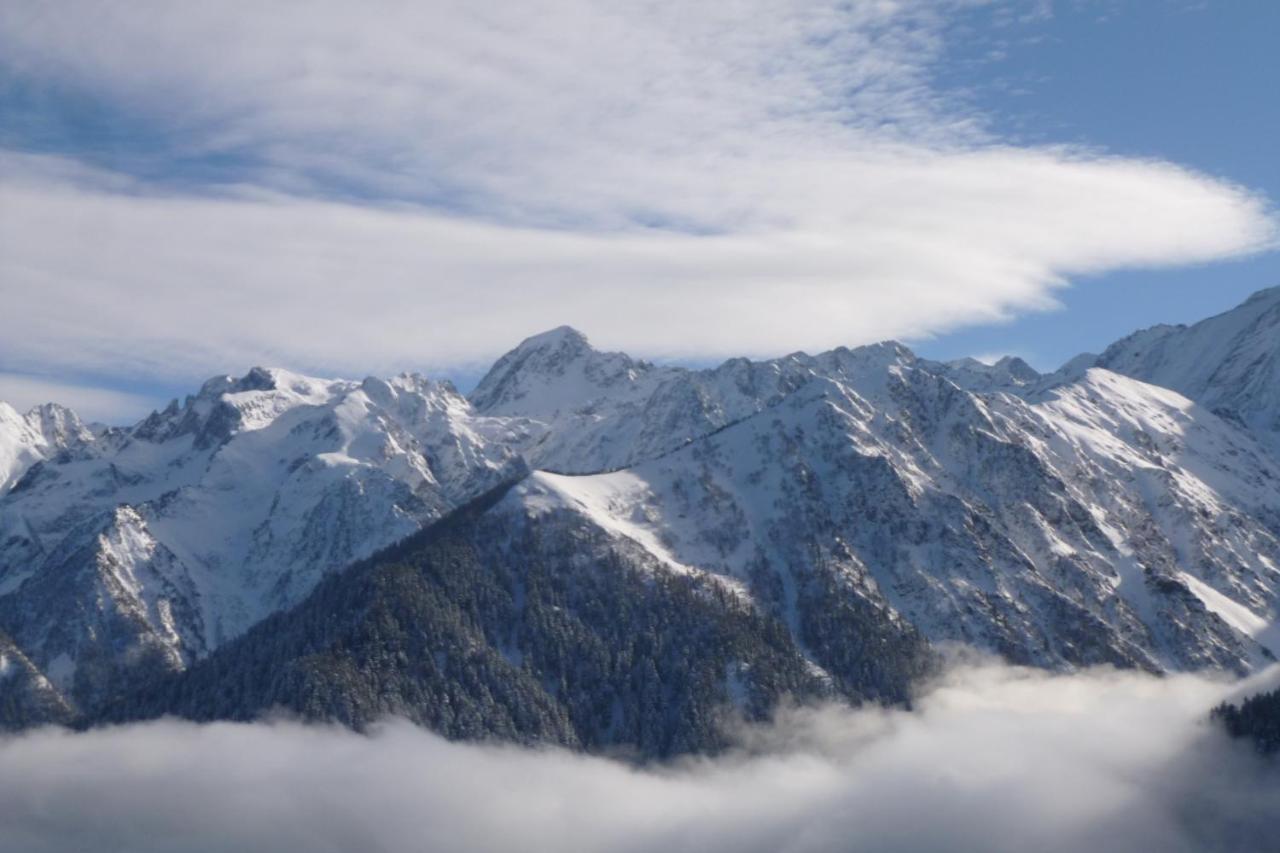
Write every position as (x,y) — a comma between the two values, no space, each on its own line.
(993,759)
(435,182)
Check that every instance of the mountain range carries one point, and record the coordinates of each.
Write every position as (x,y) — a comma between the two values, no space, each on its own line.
(594,550)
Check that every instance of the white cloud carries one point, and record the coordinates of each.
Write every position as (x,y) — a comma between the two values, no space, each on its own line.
(995,760)
(179,286)
(91,403)
(561,110)
(678,180)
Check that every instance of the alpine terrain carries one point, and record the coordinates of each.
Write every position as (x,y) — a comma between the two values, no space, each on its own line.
(614,555)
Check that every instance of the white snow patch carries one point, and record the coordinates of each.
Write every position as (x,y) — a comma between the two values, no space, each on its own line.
(607,499)
(617,503)
(1266,632)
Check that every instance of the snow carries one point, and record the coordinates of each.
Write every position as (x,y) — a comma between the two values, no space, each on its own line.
(979,502)
(1265,631)
(1229,363)
(259,408)
(1155,472)
(612,501)
(199,539)
(557,372)
(616,503)
(26,439)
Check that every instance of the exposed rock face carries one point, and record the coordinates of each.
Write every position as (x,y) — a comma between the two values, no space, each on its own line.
(153,545)
(823,518)
(1229,364)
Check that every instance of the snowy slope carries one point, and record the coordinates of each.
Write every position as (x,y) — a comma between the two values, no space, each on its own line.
(1109,522)
(584,411)
(1079,517)
(161,541)
(43,432)
(1229,363)
(1010,374)
(27,698)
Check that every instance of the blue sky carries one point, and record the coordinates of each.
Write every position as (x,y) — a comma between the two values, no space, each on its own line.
(191,191)
(1189,82)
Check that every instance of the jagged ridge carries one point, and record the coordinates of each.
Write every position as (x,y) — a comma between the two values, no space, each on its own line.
(1057,520)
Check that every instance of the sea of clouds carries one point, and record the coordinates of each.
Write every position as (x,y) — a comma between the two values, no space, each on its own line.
(991,759)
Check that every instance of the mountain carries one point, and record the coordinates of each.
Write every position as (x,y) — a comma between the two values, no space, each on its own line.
(43,432)
(1010,374)
(1060,532)
(152,545)
(518,618)
(1229,363)
(26,696)
(1058,522)
(804,526)
(585,411)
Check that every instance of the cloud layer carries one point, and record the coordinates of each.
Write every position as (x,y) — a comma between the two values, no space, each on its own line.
(994,760)
(424,186)
(91,403)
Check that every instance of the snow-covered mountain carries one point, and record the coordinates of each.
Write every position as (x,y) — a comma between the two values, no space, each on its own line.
(26,695)
(1091,515)
(41,433)
(1108,521)
(1010,374)
(1060,519)
(521,619)
(585,411)
(149,546)
(1229,363)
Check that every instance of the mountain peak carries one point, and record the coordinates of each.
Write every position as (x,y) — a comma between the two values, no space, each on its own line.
(560,337)
(1266,295)
(262,379)
(229,404)
(852,490)
(1229,363)
(258,379)
(557,370)
(42,431)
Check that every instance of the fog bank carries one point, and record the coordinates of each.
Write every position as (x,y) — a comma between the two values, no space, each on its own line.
(992,759)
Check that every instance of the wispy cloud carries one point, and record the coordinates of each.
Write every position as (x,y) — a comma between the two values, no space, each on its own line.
(90,402)
(425,184)
(995,760)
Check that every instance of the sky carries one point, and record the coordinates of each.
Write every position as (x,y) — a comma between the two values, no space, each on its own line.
(1185,82)
(344,189)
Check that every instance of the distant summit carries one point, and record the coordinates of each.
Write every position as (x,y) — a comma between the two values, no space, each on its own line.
(1229,363)
(605,553)
(558,370)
